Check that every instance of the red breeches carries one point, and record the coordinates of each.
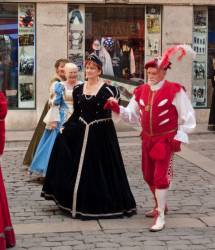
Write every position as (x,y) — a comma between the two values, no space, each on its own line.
(157,155)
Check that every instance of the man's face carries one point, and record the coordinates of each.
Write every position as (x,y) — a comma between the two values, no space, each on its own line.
(60,70)
(155,75)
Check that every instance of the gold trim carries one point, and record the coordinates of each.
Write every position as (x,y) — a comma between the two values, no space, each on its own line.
(164,133)
(150,118)
(74,204)
(87,214)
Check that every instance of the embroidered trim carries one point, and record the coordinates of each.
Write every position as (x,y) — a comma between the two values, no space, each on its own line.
(164,112)
(110,91)
(2,235)
(163,102)
(86,214)
(6,229)
(164,133)
(74,204)
(164,122)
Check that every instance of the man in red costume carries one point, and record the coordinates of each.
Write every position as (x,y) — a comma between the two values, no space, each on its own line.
(7,237)
(166,116)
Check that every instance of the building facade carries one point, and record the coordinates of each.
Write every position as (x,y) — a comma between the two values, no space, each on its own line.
(124,34)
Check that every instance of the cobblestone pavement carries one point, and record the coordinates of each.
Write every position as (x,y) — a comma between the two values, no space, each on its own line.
(192,196)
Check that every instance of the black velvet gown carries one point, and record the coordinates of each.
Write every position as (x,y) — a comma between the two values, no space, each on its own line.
(86,174)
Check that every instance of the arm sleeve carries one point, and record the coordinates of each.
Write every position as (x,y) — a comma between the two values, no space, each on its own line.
(186,116)
(55,100)
(131,113)
(3,106)
(76,112)
(3,112)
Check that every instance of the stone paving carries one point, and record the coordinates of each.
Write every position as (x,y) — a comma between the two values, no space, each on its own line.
(190,222)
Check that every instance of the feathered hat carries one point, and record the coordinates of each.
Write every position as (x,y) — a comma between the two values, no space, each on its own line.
(164,62)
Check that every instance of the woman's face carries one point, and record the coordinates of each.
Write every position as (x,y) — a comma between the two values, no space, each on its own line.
(71,75)
(92,71)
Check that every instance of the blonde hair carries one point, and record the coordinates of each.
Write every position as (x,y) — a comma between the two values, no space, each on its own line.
(70,66)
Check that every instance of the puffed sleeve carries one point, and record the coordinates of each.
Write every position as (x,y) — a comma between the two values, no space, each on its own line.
(131,113)
(186,116)
(3,112)
(77,111)
(55,100)
(115,93)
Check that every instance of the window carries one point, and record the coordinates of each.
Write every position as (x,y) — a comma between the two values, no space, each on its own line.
(17,53)
(116,35)
(123,36)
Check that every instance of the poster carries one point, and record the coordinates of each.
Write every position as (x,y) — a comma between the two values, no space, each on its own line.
(76,36)
(200,46)
(199,70)
(153,17)
(199,96)
(199,43)
(26,56)
(26,60)
(152,32)
(26,18)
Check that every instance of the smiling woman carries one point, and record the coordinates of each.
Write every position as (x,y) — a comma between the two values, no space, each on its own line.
(86,175)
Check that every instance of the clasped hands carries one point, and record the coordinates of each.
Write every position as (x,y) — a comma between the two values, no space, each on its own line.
(112,104)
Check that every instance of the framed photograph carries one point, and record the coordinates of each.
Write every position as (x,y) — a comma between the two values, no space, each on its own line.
(199,96)
(26,16)
(26,91)
(153,46)
(75,15)
(26,40)
(77,59)
(199,70)
(26,60)
(200,18)
(199,43)
(76,39)
(153,10)
(153,23)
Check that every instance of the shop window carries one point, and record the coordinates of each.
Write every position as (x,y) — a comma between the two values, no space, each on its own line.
(17,54)
(122,36)
(118,39)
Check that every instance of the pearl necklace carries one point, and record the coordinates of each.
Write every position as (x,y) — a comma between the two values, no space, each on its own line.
(88,97)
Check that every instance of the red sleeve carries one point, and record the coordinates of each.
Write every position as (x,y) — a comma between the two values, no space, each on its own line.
(137,92)
(3,106)
(3,112)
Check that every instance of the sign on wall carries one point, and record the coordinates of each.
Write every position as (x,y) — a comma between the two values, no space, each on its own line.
(76,36)
(200,45)
(152,32)
(26,55)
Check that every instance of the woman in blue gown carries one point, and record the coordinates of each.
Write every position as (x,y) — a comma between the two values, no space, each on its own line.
(61,108)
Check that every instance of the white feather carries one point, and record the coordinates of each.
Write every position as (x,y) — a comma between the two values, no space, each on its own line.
(188,49)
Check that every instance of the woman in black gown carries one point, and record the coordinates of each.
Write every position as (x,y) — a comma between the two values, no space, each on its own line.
(86,174)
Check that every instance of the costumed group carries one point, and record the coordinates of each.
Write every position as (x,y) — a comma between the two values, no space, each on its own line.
(75,145)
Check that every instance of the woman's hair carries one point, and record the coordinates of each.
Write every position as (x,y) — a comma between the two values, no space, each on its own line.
(70,66)
(59,61)
(99,67)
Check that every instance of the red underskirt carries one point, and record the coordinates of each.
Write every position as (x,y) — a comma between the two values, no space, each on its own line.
(7,236)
